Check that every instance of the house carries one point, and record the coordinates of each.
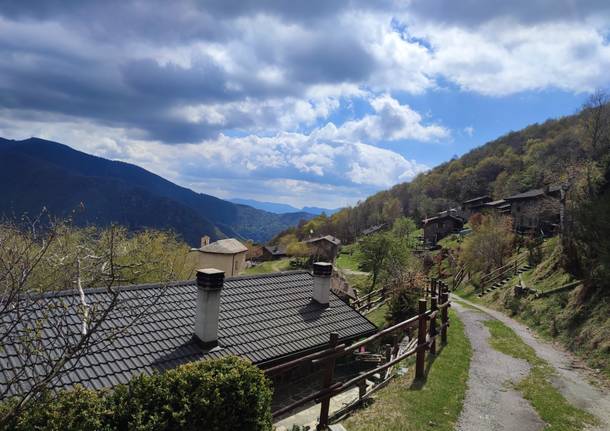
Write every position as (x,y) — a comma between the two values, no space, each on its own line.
(325,248)
(537,209)
(228,255)
(499,206)
(272,252)
(269,319)
(474,205)
(436,228)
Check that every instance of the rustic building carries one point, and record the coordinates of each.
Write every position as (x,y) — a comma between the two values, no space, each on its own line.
(537,209)
(474,206)
(437,228)
(228,255)
(273,252)
(325,248)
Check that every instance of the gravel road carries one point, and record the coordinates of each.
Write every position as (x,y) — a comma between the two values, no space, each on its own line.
(491,405)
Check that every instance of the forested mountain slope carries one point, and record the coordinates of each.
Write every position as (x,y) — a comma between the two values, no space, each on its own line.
(36,173)
(535,156)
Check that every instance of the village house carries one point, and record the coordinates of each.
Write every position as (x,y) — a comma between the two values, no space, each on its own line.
(325,248)
(228,255)
(269,319)
(473,206)
(273,252)
(437,228)
(537,209)
(500,206)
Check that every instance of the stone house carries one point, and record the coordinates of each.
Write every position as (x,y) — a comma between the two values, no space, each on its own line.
(325,248)
(227,255)
(473,206)
(437,228)
(537,209)
(272,252)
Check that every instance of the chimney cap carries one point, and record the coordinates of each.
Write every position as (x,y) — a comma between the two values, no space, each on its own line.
(210,278)
(322,269)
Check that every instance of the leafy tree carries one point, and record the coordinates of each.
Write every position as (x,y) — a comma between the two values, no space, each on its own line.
(490,242)
(374,249)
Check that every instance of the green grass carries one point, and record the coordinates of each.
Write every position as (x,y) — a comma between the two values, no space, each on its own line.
(378,316)
(348,261)
(552,407)
(435,403)
(270,266)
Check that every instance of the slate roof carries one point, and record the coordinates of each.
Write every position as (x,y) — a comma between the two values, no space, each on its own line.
(373,229)
(276,250)
(497,203)
(534,193)
(329,238)
(443,217)
(265,318)
(224,246)
(477,199)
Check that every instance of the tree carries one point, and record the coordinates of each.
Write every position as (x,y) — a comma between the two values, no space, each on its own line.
(403,230)
(489,243)
(47,256)
(374,249)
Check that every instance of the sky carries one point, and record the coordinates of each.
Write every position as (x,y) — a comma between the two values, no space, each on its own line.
(311,102)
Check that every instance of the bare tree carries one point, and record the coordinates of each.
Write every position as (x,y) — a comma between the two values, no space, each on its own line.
(597,122)
(48,331)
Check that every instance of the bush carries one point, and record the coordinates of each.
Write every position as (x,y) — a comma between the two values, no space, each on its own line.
(223,394)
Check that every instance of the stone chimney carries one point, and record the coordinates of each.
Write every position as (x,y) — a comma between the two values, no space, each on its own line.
(205,240)
(321,282)
(209,286)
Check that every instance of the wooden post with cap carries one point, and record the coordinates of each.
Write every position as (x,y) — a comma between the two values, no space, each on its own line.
(327,382)
(421,340)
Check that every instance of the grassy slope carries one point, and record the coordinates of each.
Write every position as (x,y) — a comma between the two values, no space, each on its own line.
(581,327)
(407,405)
(270,266)
(536,387)
(378,316)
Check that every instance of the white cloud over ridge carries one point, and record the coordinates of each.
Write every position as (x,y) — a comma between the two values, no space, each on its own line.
(259,91)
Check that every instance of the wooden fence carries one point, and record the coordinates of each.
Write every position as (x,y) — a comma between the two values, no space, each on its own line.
(427,331)
(509,269)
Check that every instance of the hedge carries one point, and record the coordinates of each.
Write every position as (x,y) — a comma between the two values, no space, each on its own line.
(222,394)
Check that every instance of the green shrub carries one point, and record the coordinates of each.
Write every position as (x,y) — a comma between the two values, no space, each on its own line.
(223,394)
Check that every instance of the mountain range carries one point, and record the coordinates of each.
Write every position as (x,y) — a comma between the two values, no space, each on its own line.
(36,174)
(280,208)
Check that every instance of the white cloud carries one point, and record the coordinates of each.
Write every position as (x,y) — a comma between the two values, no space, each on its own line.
(392,122)
(469,130)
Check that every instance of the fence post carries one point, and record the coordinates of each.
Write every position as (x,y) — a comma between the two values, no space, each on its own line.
(327,382)
(434,307)
(444,317)
(421,340)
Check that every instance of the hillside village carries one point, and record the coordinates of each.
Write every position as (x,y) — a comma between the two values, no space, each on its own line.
(298,216)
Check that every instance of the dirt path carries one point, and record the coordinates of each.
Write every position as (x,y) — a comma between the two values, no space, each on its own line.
(571,382)
(491,404)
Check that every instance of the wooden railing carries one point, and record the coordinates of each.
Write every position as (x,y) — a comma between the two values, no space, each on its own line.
(427,333)
(458,277)
(511,268)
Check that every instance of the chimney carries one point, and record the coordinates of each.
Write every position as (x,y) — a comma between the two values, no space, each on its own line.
(209,285)
(205,240)
(321,282)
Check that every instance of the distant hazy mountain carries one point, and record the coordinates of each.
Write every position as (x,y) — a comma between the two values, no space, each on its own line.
(282,208)
(35,173)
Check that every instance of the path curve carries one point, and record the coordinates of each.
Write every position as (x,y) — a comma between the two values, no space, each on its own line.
(571,382)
